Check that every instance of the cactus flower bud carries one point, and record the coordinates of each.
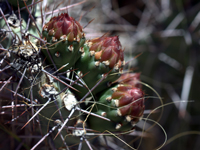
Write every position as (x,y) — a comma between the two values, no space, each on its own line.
(108,50)
(65,40)
(131,102)
(123,104)
(131,79)
(64,25)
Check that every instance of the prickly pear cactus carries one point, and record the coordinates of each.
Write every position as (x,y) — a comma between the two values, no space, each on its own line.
(49,71)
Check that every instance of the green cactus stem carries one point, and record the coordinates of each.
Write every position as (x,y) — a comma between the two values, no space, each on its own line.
(101,56)
(65,39)
(55,105)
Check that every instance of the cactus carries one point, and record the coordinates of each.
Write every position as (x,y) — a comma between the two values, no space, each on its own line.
(66,40)
(53,96)
(14,25)
(122,103)
(102,56)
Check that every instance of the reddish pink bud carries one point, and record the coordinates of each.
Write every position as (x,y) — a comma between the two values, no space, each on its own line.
(128,96)
(134,94)
(108,49)
(64,25)
(131,79)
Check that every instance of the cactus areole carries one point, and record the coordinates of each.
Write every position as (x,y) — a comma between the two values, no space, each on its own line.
(65,39)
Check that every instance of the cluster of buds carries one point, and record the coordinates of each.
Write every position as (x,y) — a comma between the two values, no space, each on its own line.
(119,96)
